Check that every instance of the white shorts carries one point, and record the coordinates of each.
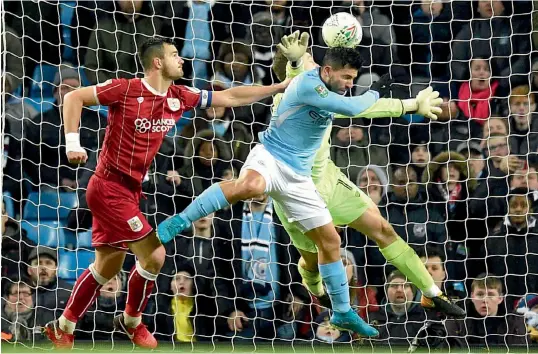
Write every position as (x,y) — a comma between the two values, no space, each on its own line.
(297,194)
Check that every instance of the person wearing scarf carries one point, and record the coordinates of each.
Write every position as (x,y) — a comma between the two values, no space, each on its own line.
(474,98)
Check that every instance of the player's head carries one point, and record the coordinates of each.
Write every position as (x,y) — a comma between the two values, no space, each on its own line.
(162,55)
(486,295)
(340,68)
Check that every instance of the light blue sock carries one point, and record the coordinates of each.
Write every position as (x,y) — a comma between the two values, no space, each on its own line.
(335,278)
(211,200)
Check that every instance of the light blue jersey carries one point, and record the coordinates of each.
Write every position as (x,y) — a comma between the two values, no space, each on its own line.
(305,112)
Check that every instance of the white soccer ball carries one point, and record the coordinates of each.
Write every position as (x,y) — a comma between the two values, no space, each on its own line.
(342,30)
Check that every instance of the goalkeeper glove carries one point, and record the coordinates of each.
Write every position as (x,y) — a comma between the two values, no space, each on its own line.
(426,103)
(383,86)
(293,47)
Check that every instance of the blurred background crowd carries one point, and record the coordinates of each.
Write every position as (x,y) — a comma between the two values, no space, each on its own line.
(461,190)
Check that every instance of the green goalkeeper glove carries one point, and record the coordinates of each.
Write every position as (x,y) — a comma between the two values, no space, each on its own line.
(426,103)
(293,47)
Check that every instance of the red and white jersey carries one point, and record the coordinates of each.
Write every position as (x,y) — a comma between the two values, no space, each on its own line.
(139,117)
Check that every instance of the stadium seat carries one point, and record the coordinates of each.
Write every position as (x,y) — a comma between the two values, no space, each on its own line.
(67,10)
(42,81)
(10,207)
(71,264)
(49,206)
(84,239)
(40,105)
(45,233)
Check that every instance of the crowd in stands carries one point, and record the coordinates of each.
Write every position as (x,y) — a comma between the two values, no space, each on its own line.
(462,190)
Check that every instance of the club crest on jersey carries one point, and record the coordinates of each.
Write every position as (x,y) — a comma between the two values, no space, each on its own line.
(322,91)
(174,104)
(135,224)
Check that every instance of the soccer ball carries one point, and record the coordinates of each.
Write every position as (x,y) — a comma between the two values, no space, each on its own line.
(342,30)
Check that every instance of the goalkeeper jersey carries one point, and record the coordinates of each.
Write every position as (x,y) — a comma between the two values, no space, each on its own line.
(303,117)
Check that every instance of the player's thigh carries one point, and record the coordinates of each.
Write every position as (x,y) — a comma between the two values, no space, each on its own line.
(297,237)
(150,252)
(265,165)
(108,261)
(347,202)
(372,224)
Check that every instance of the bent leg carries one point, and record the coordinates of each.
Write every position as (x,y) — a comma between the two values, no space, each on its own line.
(108,262)
(395,250)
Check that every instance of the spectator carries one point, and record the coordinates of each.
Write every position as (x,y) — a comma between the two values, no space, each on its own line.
(475,98)
(14,61)
(209,255)
(373,181)
(420,156)
(415,220)
(528,307)
(472,152)
(351,149)
(488,324)
(493,33)
(186,312)
(436,263)
(326,333)
(400,318)
(525,177)
(52,292)
(512,248)
(431,31)
(523,122)
(264,35)
(45,158)
(494,126)
(448,187)
(20,320)
(16,247)
(534,76)
(113,45)
(98,324)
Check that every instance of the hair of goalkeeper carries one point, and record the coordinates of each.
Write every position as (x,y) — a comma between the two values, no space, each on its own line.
(151,48)
(339,57)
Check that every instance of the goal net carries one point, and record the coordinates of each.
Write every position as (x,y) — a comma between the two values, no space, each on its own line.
(461,190)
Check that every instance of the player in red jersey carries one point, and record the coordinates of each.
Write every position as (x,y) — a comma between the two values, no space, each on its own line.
(141,112)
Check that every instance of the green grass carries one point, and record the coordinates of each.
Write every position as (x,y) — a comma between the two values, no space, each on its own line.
(226,347)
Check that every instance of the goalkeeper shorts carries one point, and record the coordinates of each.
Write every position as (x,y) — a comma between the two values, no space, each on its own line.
(345,201)
(117,218)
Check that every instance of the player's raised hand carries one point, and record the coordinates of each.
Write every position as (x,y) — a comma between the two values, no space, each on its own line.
(429,103)
(293,46)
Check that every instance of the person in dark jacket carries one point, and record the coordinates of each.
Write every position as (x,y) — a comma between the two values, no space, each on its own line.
(52,293)
(512,248)
(16,246)
(45,160)
(523,122)
(400,319)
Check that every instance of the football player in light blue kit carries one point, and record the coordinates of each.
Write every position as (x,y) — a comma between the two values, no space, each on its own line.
(281,167)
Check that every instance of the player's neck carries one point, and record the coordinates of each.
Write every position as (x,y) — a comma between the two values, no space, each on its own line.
(157,82)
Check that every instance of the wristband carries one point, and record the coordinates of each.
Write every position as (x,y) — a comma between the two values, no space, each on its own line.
(296,64)
(410,105)
(72,143)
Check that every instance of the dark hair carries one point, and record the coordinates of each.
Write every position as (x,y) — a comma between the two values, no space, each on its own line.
(521,192)
(9,283)
(152,48)
(338,58)
(430,252)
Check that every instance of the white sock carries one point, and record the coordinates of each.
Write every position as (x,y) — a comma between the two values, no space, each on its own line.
(66,325)
(131,322)
(432,292)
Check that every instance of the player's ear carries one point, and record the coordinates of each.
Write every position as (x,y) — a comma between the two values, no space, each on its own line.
(157,62)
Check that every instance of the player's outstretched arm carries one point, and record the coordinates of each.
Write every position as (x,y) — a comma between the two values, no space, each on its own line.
(245,95)
(72,110)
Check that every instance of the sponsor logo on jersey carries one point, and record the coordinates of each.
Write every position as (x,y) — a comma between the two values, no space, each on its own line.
(161,125)
(174,104)
(135,224)
(322,91)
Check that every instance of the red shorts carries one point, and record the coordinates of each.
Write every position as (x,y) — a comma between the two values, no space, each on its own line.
(117,218)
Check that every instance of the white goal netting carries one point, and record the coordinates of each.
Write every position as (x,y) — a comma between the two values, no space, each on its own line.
(461,191)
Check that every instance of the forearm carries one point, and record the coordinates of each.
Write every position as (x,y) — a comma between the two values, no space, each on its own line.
(382,108)
(245,95)
(72,111)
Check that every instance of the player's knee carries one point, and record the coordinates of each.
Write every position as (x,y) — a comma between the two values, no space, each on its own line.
(155,261)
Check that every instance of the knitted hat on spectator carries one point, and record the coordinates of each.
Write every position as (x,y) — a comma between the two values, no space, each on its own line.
(42,251)
(528,301)
(65,73)
(380,172)
(471,146)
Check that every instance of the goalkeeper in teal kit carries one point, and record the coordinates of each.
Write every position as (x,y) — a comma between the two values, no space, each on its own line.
(281,166)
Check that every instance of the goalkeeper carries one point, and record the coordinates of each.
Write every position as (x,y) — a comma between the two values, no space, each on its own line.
(347,204)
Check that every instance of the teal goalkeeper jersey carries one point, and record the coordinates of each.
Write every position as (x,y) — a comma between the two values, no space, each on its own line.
(302,118)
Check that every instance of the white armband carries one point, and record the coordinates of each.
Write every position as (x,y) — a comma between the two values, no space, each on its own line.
(72,143)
